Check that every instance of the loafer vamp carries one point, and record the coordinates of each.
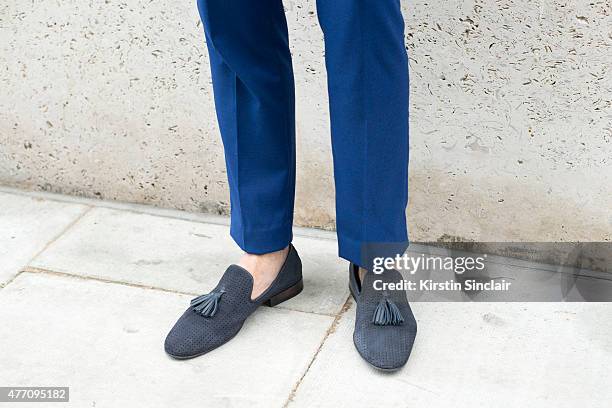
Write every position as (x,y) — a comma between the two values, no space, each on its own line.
(389,346)
(194,334)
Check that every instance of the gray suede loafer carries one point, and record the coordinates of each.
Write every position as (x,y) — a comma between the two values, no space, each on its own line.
(215,318)
(385,328)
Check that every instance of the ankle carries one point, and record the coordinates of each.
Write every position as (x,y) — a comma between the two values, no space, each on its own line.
(264,268)
(258,264)
(362,274)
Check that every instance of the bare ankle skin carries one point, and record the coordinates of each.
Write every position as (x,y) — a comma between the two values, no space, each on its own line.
(362,273)
(264,269)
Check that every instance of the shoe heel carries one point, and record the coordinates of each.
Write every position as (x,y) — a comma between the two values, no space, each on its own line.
(285,294)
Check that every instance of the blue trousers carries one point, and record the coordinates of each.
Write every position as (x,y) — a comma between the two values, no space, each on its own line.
(367,69)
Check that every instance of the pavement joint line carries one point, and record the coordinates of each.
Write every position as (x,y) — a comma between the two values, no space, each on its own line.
(172,213)
(46,246)
(60,234)
(5,284)
(329,332)
(37,270)
(136,208)
(206,218)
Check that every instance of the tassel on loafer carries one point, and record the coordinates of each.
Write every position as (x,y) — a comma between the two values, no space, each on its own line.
(385,328)
(213,319)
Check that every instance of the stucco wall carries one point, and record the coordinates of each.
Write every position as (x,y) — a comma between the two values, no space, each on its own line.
(511,112)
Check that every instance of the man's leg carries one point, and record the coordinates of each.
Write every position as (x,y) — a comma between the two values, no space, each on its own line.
(254,97)
(367,70)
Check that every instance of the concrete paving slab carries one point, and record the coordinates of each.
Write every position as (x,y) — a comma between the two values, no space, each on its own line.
(152,210)
(182,255)
(476,355)
(105,341)
(26,226)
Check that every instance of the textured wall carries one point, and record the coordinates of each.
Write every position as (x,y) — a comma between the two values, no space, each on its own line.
(511,112)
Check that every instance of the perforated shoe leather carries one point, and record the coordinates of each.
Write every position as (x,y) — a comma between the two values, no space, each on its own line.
(213,319)
(385,328)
